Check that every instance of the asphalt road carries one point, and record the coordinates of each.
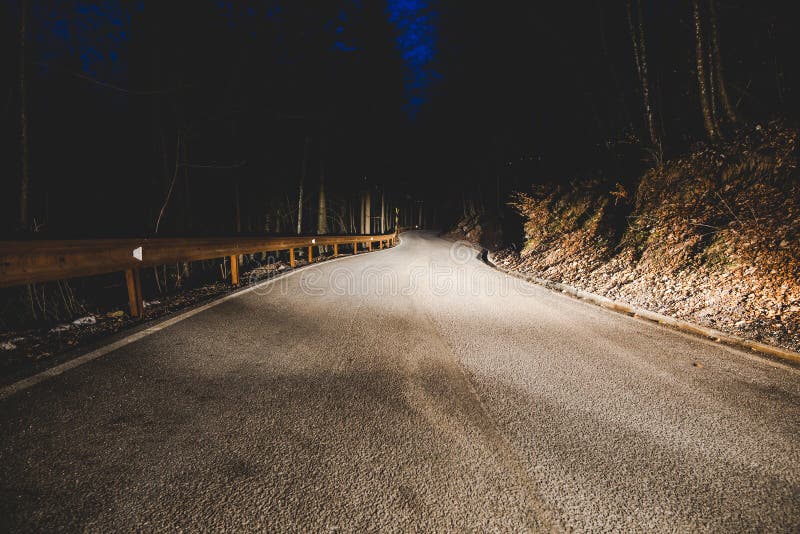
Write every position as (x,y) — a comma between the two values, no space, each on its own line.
(410,389)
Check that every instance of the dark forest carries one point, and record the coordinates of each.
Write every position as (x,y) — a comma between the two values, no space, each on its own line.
(219,109)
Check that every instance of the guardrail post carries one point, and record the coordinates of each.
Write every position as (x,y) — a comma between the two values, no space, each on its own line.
(335,249)
(310,254)
(234,271)
(355,248)
(135,300)
(292,262)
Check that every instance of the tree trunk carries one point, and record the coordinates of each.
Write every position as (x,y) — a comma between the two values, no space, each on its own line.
(705,104)
(187,192)
(237,206)
(363,212)
(712,89)
(24,182)
(640,54)
(648,105)
(300,191)
(171,186)
(722,90)
(383,211)
(322,212)
(368,212)
(186,215)
(634,40)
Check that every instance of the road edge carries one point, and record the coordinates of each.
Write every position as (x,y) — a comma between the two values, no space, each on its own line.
(647,315)
(22,384)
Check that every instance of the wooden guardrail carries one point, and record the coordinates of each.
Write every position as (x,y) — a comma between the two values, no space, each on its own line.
(28,262)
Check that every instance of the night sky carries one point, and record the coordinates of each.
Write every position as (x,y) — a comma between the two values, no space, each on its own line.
(432,100)
(98,35)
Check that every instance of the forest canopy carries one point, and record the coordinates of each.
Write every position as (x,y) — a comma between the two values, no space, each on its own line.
(218,117)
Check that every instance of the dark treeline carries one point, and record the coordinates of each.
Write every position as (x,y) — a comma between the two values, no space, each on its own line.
(206,117)
(201,118)
(546,91)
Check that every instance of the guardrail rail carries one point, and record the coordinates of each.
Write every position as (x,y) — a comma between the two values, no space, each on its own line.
(34,261)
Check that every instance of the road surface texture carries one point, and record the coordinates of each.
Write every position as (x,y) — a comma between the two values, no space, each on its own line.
(410,389)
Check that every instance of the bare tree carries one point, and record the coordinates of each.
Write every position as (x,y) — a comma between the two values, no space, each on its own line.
(362,225)
(640,55)
(322,212)
(187,207)
(712,88)
(24,182)
(705,102)
(364,212)
(722,90)
(300,189)
(383,211)
(171,186)
(368,212)
(237,205)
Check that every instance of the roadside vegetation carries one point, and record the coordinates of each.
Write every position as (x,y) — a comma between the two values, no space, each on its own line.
(712,237)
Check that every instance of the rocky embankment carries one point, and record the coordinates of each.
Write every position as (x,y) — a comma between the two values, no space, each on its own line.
(712,238)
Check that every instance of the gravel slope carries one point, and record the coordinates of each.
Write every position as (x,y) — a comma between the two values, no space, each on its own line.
(411,389)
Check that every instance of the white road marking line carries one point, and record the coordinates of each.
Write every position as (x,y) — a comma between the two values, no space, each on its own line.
(25,383)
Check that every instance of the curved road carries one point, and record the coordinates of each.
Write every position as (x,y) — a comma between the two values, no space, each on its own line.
(409,389)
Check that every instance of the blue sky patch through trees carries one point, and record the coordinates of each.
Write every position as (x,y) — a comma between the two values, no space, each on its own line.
(93,36)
